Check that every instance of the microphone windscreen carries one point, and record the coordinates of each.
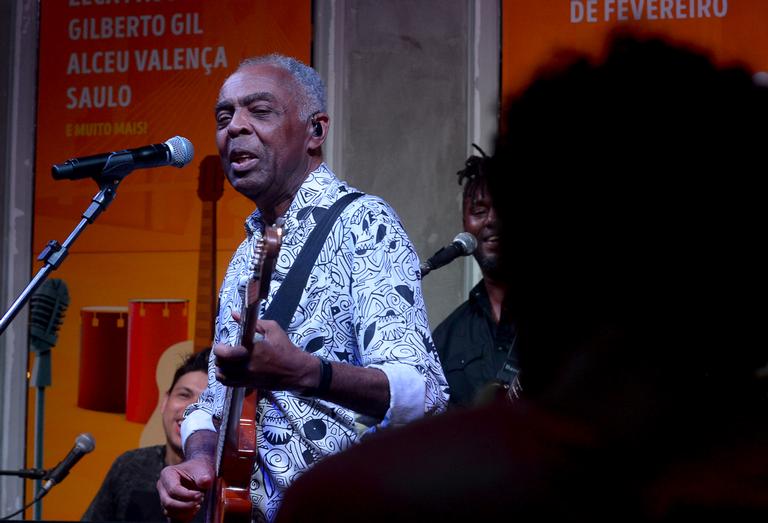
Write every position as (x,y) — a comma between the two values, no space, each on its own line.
(46,312)
(182,151)
(467,241)
(85,442)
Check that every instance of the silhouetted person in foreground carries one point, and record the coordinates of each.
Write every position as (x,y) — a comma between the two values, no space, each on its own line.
(631,220)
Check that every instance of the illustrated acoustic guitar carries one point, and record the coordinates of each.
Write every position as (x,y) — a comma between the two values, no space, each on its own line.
(210,188)
(229,499)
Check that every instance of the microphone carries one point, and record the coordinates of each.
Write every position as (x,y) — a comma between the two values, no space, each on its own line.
(46,311)
(463,244)
(177,152)
(83,445)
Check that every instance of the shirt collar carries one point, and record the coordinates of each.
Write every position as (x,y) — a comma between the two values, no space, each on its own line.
(478,298)
(310,193)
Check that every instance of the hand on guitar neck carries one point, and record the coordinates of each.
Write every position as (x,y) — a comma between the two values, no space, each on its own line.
(273,363)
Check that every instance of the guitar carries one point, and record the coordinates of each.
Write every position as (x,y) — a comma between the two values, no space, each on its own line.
(210,188)
(499,390)
(229,499)
(507,384)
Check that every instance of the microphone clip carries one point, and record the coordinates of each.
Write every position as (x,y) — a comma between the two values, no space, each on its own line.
(26,473)
(51,248)
(119,164)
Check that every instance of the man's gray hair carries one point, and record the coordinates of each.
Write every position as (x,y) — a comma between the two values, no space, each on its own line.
(313,99)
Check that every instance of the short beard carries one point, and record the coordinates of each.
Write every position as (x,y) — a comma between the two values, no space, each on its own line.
(489,265)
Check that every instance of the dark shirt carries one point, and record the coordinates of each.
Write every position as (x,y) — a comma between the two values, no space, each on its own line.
(129,492)
(472,348)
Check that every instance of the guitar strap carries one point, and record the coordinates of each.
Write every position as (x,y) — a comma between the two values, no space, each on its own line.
(506,383)
(287,297)
(509,370)
(506,337)
(509,374)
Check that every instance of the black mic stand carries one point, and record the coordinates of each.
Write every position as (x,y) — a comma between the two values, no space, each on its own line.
(54,253)
(25,473)
(29,474)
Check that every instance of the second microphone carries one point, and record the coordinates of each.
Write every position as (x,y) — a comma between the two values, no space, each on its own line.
(463,244)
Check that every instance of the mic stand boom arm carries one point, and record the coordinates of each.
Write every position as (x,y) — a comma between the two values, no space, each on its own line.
(25,473)
(54,253)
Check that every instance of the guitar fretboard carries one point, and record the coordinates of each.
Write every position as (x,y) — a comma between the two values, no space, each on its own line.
(205,309)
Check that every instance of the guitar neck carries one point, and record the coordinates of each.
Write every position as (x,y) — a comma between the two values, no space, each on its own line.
(237,447)
(205,308)
(250,315)
(261,265)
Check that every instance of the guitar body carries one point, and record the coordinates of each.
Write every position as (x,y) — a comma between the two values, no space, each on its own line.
(230,498)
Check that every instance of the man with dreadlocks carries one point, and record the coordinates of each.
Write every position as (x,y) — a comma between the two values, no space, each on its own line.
(474,344)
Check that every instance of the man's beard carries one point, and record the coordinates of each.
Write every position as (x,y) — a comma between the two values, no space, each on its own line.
(489,265)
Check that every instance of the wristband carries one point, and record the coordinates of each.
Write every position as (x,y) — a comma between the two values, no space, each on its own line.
(326,375)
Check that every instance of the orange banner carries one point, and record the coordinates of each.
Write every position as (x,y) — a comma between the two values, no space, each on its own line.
(730,31)
(119,74)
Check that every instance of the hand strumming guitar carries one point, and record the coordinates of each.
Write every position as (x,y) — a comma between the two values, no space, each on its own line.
(181,486)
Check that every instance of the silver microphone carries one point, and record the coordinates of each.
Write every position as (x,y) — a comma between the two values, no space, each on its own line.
(463,244)
(176,152)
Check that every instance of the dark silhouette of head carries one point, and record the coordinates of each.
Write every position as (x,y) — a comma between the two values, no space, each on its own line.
(631,205)
(630,217)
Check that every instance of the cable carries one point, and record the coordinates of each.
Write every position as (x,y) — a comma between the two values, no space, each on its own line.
(28,505)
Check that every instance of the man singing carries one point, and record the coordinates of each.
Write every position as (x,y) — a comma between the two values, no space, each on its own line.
(357,353)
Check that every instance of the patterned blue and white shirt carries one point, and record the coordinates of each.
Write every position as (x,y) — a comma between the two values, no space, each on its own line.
(362,306)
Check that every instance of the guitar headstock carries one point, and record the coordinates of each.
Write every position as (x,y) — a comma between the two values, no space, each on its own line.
(262,262)
(210,181)
(272,239)
(264,250)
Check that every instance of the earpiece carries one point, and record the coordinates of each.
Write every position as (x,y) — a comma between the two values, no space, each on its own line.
(317,129)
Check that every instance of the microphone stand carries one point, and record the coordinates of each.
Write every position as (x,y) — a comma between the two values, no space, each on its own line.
(54,253)
(36,474)
(41,377)
(25,473)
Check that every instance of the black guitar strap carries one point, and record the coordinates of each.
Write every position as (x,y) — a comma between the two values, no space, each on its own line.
(288,295)
(508,375)
(506,336)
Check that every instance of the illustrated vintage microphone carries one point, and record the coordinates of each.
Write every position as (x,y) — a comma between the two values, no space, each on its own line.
(463,244)
(176,152)
(46,313)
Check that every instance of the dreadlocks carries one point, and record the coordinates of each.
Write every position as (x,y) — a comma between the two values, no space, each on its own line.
(474,173)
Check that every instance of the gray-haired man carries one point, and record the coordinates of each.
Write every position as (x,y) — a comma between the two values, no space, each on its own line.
(361,316)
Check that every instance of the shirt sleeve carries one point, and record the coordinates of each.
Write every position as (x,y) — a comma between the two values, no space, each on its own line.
(199,415)
(390,316)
